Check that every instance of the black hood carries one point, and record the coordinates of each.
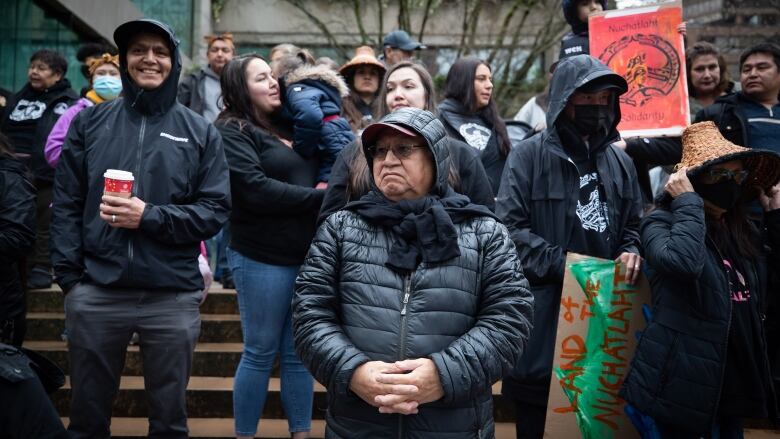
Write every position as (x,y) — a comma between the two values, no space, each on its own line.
(570,13)
(573,73)
(431,129)
(62,87)
(161,99)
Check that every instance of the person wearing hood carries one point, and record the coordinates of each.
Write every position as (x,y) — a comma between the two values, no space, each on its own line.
(576,13)
(702,364)
(470,114)
(200,91)
(406,84)
(29,117)
(17,235)
(131,264)
(312,102)
(412,302)
(105,85)
(567,189)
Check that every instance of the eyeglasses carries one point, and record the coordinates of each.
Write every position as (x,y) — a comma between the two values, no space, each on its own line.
(400,151)
(719,175)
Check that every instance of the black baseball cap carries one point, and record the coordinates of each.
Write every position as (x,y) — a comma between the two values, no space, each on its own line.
(400,39)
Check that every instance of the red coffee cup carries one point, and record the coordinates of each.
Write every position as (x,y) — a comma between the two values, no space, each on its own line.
(118,183)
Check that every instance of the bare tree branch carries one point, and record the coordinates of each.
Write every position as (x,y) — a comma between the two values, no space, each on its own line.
(429,6)
(357,8)
(301,6)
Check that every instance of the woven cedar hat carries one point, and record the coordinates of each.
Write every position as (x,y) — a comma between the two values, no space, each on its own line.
(364,55)
(704,146)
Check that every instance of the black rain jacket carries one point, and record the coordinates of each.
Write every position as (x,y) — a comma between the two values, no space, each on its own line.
(537,202)
(471,315)
(180,173)
(17,233)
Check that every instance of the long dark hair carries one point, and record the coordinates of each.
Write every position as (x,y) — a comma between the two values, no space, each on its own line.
(702,48)
(460,87)
(351,103)
(735,235)
(237,104)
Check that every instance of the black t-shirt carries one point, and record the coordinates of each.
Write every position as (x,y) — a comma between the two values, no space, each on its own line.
(590,235)
(743,393)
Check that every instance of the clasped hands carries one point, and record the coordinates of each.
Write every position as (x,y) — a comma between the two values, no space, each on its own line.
(398,387)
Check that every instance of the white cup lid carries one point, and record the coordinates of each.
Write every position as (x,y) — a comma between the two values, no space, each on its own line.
(116,174)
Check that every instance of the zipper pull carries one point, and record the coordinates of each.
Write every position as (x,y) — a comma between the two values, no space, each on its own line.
(406,300)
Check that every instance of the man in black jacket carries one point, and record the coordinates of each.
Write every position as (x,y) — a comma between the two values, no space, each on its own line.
(29,117)
(130,264)
(751,117)
(567,189)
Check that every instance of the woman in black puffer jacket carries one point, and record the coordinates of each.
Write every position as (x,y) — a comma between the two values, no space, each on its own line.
(409,333)
(701,365)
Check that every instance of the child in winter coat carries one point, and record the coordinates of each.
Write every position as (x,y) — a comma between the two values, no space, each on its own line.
(312,101)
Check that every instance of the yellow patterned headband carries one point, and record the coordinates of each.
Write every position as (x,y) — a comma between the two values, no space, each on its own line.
(106,58)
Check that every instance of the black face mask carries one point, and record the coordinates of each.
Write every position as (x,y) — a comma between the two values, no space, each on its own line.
(85,70)
(591,119)
(724,194)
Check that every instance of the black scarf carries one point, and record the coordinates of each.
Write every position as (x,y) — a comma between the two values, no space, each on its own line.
(425,227)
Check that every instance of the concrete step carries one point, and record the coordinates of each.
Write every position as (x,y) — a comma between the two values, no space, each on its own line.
(210,359)
(219,428)
(207,397)
(215,328)
(212,397)
(213,428)
(218,301)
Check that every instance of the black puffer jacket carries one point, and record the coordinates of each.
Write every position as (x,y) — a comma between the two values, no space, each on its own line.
(471,315)
(677,372)
(537,202)
(180,173)
(17,233)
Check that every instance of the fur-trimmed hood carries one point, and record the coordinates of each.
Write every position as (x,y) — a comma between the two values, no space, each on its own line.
(321,73)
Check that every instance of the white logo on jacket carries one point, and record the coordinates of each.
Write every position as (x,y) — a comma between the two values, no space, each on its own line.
(475,135)
(28,110)
(174,138)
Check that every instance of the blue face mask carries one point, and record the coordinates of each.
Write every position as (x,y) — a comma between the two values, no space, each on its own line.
(107,87)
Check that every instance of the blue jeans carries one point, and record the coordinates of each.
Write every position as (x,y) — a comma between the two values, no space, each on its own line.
(264,297)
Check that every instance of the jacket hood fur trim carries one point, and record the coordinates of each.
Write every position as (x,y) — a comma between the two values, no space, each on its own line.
(318,73)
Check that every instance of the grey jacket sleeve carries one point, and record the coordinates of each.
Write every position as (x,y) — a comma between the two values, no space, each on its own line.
(320,340)
(204,216)
(490,350)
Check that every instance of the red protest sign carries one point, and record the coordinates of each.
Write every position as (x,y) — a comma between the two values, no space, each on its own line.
(644,46)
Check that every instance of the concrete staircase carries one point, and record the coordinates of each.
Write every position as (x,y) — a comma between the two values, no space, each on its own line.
(209,394)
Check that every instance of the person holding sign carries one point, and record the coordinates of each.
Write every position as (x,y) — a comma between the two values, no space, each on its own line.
(701,364)
(567,189)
